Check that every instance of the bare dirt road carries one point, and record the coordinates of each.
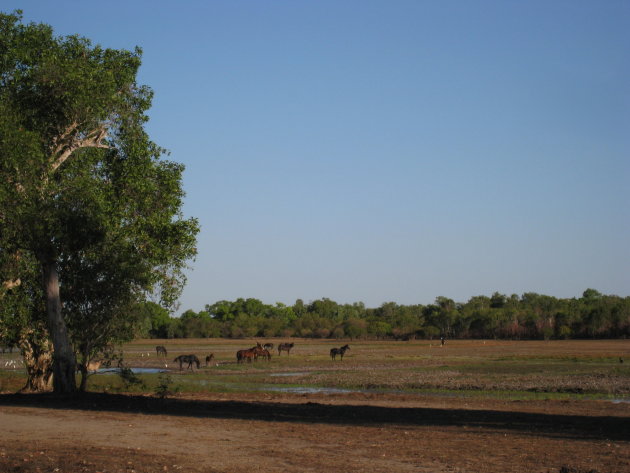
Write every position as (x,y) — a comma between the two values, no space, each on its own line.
(239,433)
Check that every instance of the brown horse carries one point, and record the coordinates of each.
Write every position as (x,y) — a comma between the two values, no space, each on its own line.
(248,354)
(209,358)
(286,347)
(161,350)
(338,351)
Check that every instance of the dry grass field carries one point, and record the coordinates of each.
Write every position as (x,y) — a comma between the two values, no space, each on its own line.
(470,406)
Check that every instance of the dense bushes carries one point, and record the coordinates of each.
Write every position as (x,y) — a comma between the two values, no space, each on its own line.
(531,316)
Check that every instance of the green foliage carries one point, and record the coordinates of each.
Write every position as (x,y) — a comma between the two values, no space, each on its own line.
(130,380)
(532,316)
(85,195)
(165,387)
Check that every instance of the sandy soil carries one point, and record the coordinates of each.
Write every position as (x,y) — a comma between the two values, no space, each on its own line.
(238,433)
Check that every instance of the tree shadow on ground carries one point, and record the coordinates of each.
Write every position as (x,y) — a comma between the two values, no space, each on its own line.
(540,424)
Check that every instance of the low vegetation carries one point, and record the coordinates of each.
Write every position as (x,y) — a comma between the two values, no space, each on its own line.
(505,369)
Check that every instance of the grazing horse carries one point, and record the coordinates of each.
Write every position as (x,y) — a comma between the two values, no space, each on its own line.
(286,347)
(263,352)
(161,350)
(248,354)
(209,358)
(190,359)
(338,351)
(268,346)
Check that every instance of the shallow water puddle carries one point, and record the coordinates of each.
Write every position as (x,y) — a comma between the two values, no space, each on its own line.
(133,370)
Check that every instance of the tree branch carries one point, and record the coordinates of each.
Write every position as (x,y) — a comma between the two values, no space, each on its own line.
(60,141)
(62,149)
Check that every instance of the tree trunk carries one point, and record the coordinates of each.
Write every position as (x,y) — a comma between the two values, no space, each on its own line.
(64,361)
(37,352)
(84,377)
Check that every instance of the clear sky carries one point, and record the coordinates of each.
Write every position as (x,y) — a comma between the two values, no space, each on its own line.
(387,150)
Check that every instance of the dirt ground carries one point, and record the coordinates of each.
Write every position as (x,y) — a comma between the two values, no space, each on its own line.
(238,433)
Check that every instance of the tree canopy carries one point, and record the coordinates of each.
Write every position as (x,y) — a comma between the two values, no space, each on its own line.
(85,196)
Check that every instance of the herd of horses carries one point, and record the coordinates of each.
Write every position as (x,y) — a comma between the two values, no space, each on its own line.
(248,354)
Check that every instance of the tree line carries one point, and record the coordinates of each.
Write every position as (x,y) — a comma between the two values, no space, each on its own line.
(530,316)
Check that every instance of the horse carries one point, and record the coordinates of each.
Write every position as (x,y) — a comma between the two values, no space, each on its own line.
(190,359)
(161,350)
(248,354)
(338,351)
(286,347)
(209,358)
(262,352)
(268,346)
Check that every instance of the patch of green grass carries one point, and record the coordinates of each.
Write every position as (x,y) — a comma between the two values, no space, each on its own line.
(11,381)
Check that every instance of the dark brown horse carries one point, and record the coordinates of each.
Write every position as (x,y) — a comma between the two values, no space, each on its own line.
(286,347)
(339,351)
(161,350)
(209,358)
(190,359)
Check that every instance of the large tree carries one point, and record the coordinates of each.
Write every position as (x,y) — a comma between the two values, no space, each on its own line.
(84,192)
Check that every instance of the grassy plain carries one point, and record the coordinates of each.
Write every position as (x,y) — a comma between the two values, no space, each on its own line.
(514,370)
(508,369)
(471,406)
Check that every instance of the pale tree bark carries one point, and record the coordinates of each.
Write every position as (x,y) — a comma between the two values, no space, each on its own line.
(37,351)
(69,141)
(64,366)
(11,283)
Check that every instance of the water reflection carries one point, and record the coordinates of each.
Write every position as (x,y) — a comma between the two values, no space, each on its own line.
(133,370)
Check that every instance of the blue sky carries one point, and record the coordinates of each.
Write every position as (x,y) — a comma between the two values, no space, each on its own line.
(387,150)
